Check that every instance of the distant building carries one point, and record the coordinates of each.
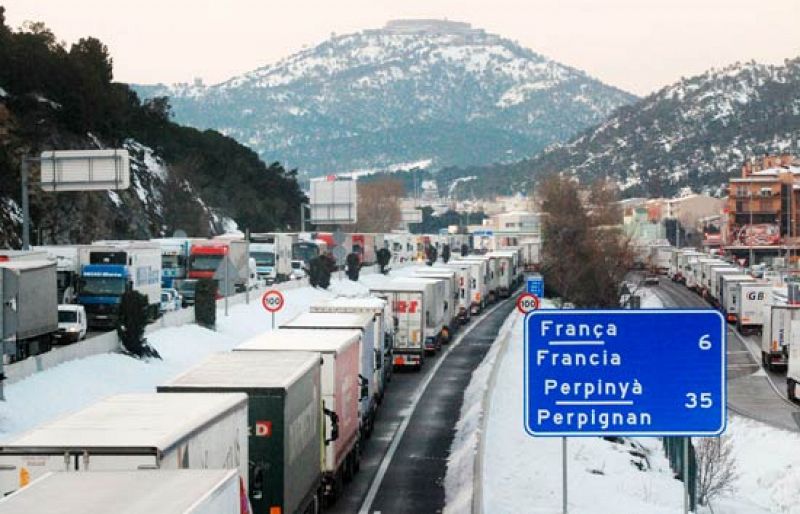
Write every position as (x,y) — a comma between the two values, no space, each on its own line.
(762,209)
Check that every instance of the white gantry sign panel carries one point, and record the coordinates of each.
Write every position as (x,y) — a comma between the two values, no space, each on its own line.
(85,170)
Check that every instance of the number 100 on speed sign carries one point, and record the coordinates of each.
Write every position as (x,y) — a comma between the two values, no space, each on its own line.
(625,372)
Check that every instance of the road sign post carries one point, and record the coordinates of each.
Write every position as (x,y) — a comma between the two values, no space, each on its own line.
(625,373)
(273,301)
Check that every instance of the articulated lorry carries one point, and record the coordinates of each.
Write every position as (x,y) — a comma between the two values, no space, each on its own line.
(384,327)
(272,252)
(109,269)
(449,298)
(206,260)
(778,334)
(174,259)
(436,327)
(68,270)
(409,303)
(464,292)
(339,352)
(183,491)
(369,353)
(29,309)
(284,421)
(479,286)
(132,432)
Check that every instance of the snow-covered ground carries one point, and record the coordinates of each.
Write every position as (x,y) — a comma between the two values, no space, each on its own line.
(523,474)
(76,384)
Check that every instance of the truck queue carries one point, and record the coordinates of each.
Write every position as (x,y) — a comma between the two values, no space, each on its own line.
(287,411)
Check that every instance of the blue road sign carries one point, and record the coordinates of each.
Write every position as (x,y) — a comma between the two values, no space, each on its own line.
(625,372)
(535,285)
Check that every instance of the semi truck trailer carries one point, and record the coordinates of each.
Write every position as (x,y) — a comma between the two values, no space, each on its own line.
(131,432)
(29,309)
(338,350)
(284,421)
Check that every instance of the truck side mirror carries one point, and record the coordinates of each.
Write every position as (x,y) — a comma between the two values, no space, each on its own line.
(364,387)
(334,425)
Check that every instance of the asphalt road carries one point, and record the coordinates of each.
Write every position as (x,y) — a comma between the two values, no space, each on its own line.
(403,465)
(752,391)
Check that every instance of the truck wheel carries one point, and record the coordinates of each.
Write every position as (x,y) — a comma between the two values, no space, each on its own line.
(790,385)
(764,359)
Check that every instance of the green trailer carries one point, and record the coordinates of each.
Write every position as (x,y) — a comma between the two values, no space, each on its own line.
(284,422)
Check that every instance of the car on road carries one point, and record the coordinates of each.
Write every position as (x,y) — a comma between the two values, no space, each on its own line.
(298,271)
(651,279)
(186,289)
(71,323)
(171,300)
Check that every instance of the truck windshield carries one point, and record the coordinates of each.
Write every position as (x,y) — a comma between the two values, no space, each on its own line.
(263,258)
(103,286)
(173,261)
(67,316)
(304,251)
(205,262)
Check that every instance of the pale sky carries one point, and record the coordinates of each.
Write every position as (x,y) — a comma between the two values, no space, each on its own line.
(637,45)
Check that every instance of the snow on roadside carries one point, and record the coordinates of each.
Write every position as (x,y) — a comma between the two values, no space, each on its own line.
(523,474)
(459,480)
(76,384)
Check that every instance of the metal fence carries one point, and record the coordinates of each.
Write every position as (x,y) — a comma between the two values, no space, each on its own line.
(674,450)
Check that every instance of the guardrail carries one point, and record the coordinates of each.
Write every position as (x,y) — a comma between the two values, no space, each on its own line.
(486,405)
(108,342)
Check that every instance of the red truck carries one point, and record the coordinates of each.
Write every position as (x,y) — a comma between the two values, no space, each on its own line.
(205,259)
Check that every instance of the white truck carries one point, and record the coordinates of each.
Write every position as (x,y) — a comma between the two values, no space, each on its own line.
(793,364)
(506,271)
(369,353)
(708,275)
(464,297)
(660,256)
(68,270)
(778,335)
(729,295)
(272,252)
(491,276)
(697,272)
(409,302)
(479,288)
(384,331)
(109,269)
(715,282)
(449,297)
(436,326)
(753,298)
(338,350)
(131,432)
(184,491)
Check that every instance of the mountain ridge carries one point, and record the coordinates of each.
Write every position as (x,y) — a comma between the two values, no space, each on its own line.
(410,91)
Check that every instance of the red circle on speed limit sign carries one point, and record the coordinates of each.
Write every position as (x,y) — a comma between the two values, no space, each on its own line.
(272,300)
(527,302)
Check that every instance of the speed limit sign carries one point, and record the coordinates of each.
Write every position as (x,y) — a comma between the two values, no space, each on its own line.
(527,302)
(272,300)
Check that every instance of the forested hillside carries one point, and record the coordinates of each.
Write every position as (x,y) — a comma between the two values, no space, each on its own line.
(58,97)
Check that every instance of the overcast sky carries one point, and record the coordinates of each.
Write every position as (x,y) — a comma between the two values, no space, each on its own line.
(638,45)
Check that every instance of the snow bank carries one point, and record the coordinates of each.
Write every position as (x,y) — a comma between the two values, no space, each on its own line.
(465,449)
(768,466)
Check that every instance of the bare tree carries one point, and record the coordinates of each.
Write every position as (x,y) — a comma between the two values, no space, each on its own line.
(379,205)
(585,255)
(716,468)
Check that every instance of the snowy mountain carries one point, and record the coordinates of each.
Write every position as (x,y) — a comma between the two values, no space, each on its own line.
(696,132)
(414,90)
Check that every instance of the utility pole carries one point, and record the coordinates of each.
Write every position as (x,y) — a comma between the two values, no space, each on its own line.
(750,228)
(26,215)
